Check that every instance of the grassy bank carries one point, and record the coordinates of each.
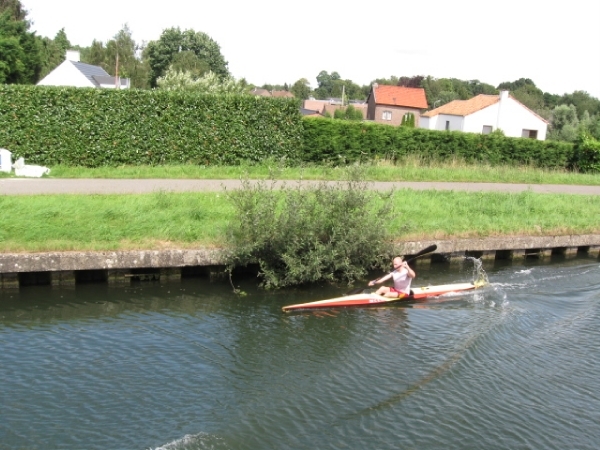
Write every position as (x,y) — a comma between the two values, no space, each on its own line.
(185,220)
(411,169)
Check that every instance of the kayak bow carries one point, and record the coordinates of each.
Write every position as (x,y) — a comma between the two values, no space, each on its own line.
(372,299)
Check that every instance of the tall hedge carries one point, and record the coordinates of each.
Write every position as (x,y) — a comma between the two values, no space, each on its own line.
(105,127)
(98,127)
(335,141)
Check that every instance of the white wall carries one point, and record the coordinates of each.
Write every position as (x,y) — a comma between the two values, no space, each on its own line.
(439,122)
(66,74)
(509,116)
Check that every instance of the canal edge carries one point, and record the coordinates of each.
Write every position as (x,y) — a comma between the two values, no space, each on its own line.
(121,267)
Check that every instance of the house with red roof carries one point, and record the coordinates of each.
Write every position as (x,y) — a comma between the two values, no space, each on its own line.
(388,104)
(486,113)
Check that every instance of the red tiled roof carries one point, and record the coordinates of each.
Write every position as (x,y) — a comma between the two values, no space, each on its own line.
(400,96)
(464,107)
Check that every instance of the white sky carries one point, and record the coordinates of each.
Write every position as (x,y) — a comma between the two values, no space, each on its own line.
(555,44)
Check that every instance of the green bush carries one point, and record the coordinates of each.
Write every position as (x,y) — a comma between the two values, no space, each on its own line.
(308,234)
(587,153)
(106,127)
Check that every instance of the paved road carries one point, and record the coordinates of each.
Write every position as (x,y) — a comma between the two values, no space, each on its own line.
(33,186)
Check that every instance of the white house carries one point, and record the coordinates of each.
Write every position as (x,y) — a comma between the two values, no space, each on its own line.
(486,113)
(72,72)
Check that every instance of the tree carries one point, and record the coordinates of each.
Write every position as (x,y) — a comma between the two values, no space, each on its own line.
(564,124)
(412,82)
(582,102)
(530,96)
(161,53)
(208,83)
(301,89)
(20,50)
(408,120)
(391,81)
(95,54)
(53,51)
(325,83)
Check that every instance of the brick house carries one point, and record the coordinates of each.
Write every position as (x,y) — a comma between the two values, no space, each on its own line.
(388,104)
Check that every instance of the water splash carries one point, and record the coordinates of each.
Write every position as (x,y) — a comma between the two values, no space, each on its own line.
(480,277)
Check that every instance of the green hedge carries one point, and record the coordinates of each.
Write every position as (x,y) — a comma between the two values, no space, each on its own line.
(105,127)
(334,141)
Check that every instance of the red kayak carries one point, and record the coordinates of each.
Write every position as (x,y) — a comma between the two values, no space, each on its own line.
(371,299)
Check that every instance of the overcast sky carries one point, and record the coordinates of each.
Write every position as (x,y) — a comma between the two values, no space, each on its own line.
(555,44)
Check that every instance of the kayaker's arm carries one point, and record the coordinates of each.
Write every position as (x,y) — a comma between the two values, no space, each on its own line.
(382,279)
(411,273)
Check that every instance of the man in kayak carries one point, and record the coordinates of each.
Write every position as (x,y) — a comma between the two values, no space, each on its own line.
(402,276)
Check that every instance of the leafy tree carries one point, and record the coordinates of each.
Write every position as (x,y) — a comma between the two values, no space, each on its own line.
(15,10)
(514,85)
(325,83)
(391,81)
(131,65)
(564,124)
(208,83)
(530,96)
(582,102)
(20,55)
(188,61)
(412,82)
(161,53)
(274,87)
(476,87)
(95,54)
(301,89)
(53,51)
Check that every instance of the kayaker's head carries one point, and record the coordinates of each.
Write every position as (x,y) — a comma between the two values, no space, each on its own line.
(397,262)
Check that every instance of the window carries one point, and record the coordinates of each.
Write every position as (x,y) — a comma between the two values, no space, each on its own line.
(487,129)
(387,115)
(447,124)
(531,134)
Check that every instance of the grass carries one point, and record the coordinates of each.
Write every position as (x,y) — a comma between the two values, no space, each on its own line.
(411,169)
(186,220)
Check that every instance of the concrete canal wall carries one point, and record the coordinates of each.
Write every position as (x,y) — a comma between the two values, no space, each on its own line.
(121,267)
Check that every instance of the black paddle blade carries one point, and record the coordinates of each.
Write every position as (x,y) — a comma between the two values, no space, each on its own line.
(431,248)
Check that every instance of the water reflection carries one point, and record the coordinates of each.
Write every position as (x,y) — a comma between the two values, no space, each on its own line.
(192,365)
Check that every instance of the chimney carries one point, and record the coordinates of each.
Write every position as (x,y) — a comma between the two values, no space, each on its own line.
(73,55)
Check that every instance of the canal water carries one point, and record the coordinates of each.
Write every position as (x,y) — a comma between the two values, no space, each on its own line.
(515,365)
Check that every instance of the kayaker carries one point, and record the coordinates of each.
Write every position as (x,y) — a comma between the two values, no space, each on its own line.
(402,276)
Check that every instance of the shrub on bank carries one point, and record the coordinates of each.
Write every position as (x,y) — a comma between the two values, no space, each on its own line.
(309,234)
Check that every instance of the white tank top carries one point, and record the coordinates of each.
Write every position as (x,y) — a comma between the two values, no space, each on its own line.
(402,280)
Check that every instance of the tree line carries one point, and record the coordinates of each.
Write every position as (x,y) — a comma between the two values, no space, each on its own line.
(186,59)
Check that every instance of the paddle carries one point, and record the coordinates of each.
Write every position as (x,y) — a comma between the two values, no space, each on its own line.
(431,248)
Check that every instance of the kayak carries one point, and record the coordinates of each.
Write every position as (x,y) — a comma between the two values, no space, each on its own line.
(372,299)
